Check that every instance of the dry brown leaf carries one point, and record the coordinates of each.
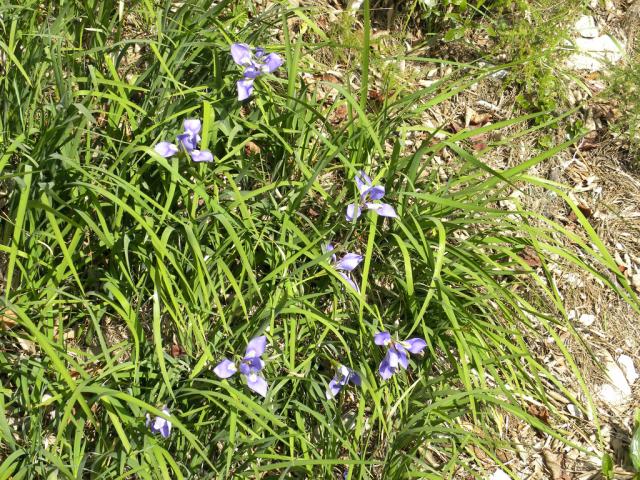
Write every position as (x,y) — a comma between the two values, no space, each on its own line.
(589,141)
(376,96)
(540,412)
(27,346)
(479,142)
(530,256)
(176,350)
(339,115)
(8,319)
(479,453)
(585,209)
(480,119)
(455,127)
(251,148)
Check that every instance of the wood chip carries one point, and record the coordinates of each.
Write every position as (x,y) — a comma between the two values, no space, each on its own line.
(553,462)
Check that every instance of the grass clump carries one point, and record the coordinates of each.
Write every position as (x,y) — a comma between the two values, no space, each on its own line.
(130,276)
(623,93)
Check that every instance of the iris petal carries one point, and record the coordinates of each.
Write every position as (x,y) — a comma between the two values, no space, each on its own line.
(245,87)
(350,281)
(257,383)
(252,71)
(376,193)
(192,125)
(272,62)
(201,156)
(188,141)
(355,378)
(353,211)
(385,370)
(256,347)
(166,149)
(382,338)
(333,389)
(241,53)
(383,209)
(393,359)
(401,354)
(415,345)
(225,368)
(349,262)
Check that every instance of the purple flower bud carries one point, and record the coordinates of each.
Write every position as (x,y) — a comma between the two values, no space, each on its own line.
(343,376)
(159,424)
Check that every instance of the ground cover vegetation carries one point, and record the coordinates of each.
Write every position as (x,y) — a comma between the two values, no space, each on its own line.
(206,276)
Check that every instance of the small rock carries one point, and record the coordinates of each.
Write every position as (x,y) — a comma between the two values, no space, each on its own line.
(593,54)
(586,27)
(573,410)
(618,392)
(587,319)
(499,475)
(626,363)
(499,75)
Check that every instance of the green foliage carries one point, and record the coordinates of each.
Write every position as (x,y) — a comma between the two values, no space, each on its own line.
(527,37)
(623,93)
(130,275)
(634,446)
(607,466)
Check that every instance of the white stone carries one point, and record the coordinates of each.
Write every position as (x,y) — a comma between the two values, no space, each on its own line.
(593,54)
(499,475)
(626,363)
(587,319)
(586,27)
(618,392)
(573,410)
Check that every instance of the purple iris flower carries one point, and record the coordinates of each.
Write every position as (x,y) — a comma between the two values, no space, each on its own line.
(396,352)
(368,193)
(255,63)
(188,141)
(159,424)
(343,376)
(345,265)
(250,366)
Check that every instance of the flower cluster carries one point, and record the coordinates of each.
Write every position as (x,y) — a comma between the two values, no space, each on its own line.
(369,194)
(188,141)
(250,366)
(343,376)
(255,63)
(396,352)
